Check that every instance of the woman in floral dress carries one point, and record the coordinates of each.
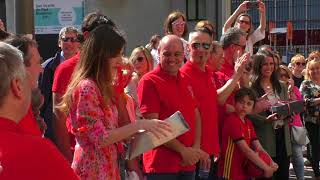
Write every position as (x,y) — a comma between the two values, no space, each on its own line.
(92,101)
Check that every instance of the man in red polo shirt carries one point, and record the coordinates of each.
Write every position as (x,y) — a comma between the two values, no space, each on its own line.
(23,156)
(62,77)
(161,93)
(233,42)
(32,61)
(200,75)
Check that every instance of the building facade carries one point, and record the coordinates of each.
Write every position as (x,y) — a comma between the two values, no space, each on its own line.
(304,16)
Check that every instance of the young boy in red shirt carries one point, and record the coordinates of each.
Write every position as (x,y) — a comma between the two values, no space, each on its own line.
(239,141)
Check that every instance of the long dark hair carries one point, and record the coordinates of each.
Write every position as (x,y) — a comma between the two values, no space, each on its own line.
(104,42)
(258,61)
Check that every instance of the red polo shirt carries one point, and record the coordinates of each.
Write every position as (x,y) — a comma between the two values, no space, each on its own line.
(232,158)
(227,69)
(29,124)
(205,93)
(24,156)
(159,92)
(63,73)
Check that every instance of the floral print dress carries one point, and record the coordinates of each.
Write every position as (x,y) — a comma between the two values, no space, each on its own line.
(91,122)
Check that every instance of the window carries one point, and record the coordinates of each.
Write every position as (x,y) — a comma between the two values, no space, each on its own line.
(196,10)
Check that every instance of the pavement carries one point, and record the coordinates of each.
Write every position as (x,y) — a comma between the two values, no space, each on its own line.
(308,172)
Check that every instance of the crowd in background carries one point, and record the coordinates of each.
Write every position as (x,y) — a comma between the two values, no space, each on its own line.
(72,116)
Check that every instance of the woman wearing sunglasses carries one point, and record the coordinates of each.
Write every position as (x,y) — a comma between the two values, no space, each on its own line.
(142,62)
(243,21)
(176,24)
(298,64)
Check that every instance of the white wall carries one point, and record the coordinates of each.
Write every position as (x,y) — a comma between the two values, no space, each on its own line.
(140,19)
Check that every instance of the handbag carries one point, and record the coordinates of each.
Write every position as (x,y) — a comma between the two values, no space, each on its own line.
(299,135)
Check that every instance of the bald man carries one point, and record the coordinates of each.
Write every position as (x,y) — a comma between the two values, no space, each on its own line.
(161,93)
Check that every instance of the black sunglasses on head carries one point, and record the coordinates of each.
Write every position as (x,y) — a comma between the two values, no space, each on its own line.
(205,46)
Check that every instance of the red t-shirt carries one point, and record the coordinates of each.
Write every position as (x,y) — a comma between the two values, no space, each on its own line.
(159,92)
(24,156)
(29,124)
(205,93)
(232,159)
(63,73)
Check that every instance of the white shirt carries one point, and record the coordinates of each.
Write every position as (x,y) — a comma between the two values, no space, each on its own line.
(256,36)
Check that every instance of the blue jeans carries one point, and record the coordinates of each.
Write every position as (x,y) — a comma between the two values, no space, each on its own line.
(171,176)
(297,160)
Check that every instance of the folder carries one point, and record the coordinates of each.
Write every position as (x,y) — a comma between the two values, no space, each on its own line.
(145,141)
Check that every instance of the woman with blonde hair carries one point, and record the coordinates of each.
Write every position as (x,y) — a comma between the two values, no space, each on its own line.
(310,90)
(92,100)
(298,64)
(142,63)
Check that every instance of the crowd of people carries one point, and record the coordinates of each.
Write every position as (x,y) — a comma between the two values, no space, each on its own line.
(72,116)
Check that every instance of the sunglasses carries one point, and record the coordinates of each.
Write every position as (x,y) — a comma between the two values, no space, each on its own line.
(178,23)
(244,22)
(300,63)
(69,39)
(139,59)
(205,46)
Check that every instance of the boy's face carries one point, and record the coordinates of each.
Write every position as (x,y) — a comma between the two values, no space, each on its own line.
(244,106)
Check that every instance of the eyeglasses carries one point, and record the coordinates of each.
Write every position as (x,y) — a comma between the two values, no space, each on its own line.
(243,22)
(69,39)
(300,63)
(175,23)
(205,46)
(139,59)
(243,47)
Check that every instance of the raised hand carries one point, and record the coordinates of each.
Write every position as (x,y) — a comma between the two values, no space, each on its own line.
(240,63)
(243,7)
(262,7)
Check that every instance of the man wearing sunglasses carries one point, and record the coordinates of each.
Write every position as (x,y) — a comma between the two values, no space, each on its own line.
(200,75)
(298,64)
(69,45)
(233,42)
